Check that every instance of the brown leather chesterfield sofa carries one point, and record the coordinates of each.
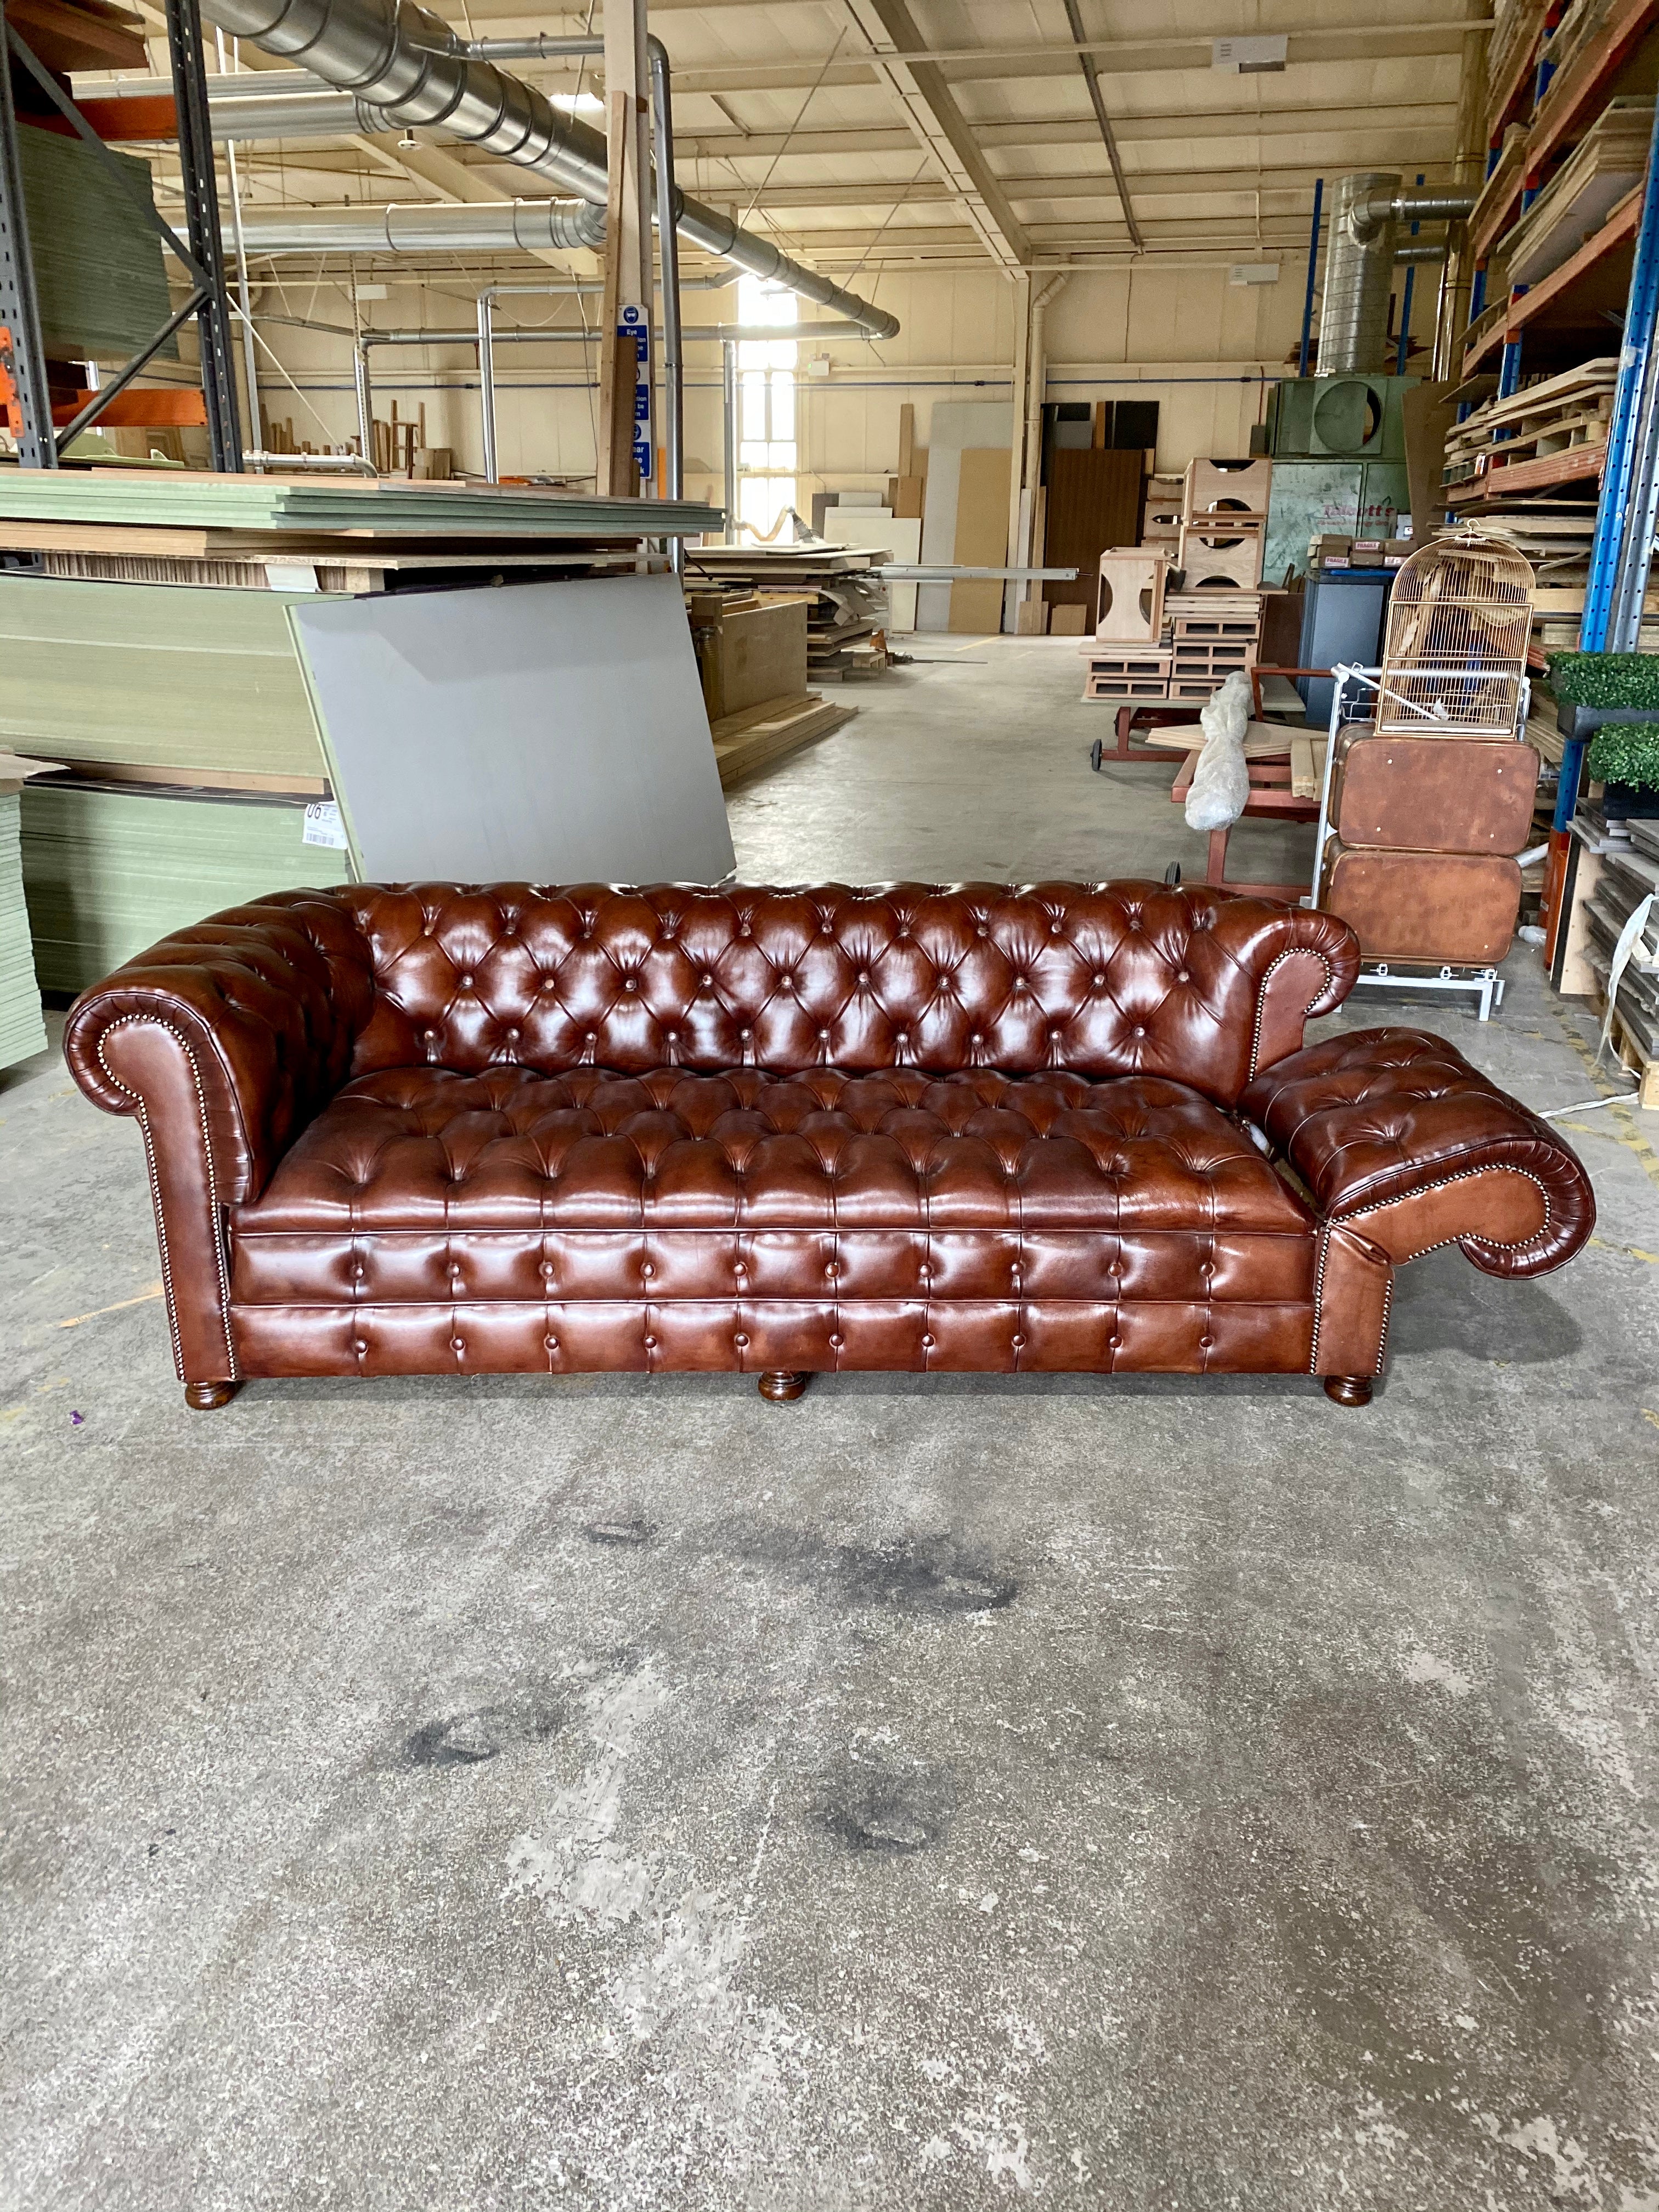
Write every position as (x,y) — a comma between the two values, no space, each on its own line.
(425,1129)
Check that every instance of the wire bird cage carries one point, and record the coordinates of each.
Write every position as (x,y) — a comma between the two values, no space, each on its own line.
(1455,661)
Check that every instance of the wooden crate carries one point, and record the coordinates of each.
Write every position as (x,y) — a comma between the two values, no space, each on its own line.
(1235,487)
(1231,555)
(1131,602)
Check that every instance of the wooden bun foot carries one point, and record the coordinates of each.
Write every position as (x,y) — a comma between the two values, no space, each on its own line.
(207,1397)
(1348,1389)
(780,1384)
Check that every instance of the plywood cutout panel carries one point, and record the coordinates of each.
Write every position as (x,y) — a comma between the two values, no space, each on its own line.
(981,538)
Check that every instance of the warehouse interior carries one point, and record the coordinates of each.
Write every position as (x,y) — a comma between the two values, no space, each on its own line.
(950,707)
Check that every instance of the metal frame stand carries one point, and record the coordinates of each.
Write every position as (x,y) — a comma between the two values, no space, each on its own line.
(184,49)
(1486,983)
(22,354)
(41,445)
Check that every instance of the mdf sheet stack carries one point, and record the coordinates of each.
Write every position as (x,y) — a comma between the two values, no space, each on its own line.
(98,261)
(109,868)
(1607,163)
(22,1032)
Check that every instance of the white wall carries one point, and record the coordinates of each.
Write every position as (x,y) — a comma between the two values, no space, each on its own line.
(1187,338)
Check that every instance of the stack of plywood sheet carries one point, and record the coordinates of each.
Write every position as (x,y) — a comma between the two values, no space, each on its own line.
(1607,165)
(846,603)
(22,1032)
(159,667)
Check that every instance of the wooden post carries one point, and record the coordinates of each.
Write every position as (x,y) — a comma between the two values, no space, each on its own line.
(626,443)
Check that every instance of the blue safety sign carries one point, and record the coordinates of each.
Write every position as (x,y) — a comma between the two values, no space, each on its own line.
(634,323)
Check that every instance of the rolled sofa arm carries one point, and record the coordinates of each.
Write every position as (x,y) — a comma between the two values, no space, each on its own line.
(1398,1138)
(224,1040)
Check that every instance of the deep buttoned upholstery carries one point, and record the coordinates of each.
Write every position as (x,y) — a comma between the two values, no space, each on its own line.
(431,1128)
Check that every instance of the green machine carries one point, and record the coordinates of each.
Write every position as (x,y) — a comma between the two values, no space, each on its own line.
(1338,445)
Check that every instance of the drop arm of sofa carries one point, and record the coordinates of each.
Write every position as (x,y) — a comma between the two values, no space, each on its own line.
(224,1040)
(1398,1138)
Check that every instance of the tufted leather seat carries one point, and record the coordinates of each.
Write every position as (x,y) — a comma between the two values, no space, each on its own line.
(408,1129)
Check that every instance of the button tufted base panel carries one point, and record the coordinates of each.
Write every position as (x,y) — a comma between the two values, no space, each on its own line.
(431,1221)
(939,1335)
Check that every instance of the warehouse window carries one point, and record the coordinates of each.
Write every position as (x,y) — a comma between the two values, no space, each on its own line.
(765,408)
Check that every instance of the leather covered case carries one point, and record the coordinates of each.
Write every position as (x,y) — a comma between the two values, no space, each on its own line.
(1458,908)
(1436,794)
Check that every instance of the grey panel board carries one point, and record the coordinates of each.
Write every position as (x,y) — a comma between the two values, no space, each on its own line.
(540,733)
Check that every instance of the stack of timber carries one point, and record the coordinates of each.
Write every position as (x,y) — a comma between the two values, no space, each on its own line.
(1605,165)
(22,1032)
(144,634)
(752,658)
(759,737)
(847,605)
(1552,433)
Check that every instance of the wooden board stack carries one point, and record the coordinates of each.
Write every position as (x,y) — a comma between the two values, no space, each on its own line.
(144,633)
(1552,433)
(847,605)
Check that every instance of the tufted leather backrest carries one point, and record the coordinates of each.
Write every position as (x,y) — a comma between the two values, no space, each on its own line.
(1103,979)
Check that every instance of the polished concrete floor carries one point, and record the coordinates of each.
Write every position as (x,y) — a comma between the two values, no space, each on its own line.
(1154,1794)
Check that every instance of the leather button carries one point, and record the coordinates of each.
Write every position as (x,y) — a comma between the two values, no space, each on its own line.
(745,1034)
(673,1036)
(1018,1343)
(903,1037)
(707,981)
(1115,1344)
(742,1343)
(927,1343)
(550,1343)
(593,1037)
(650,1343)
(1054,1037)
(823,1036)
(454,1274)
(1182,976)
(1054,929)
(646,1268)
(630,985)
(1019,982)
(1139,1033)
(1099,982)
(466,982)
(357,1344)
(837,1342)
(864,975)
(977,1038)
(458,1344)
(358,1274)
(1207,1344)
(831,1272)
(981,931)
(547,1270)
(513,1037)
(430,1036)
(788,982)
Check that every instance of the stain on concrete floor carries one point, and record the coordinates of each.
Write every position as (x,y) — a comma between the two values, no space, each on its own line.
(941,1792)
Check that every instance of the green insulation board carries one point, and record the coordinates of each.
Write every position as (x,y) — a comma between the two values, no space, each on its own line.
(22,1032)
(160,676)
(109,871)
(98,261)
(183,500)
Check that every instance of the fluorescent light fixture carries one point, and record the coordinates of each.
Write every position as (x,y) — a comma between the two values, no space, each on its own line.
(1253,272)
(1249,57)
(578,103)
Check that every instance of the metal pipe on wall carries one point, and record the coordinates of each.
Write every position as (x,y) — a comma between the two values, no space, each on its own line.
(729,439)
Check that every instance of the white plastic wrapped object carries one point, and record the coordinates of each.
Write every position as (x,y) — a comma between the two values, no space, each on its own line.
(1221,781)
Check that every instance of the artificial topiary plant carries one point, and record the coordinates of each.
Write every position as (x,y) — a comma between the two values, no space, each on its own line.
(1627,753)
(1606,679)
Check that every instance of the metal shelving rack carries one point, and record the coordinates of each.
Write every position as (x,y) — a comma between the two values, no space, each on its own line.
(22,352)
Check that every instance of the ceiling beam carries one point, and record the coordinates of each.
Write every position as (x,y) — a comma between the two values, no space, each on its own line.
(940,128)
(1413,40)
(1425,119)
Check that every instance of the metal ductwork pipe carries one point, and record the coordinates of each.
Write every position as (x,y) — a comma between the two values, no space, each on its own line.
(426,226)
(1359,264)
(407,63)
